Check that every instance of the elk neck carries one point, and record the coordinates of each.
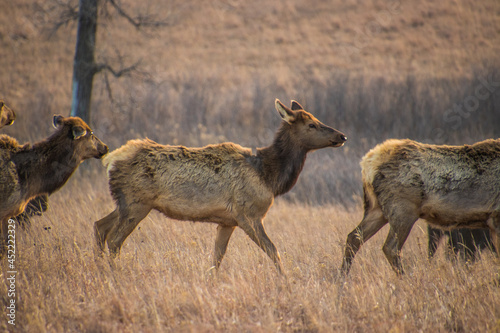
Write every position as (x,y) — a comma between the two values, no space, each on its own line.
(47,165)
(282,161)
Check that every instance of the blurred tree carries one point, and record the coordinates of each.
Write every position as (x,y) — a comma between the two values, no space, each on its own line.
(84,65)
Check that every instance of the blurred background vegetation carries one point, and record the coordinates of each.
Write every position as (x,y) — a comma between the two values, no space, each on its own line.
(425,70)
(372,69)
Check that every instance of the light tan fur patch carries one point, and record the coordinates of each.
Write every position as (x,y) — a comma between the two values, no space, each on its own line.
(125,152)
(375,157)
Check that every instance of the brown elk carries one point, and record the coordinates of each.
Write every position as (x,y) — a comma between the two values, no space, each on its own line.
(29,171)
(224,184)
(7,116)
(39,204)
(447,186)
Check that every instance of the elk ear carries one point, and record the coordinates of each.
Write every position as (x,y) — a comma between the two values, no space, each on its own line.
(296,106)
(78,132)
(285,113)
(1,104)
(57,121)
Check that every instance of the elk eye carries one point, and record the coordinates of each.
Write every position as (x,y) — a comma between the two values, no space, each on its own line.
(312,126)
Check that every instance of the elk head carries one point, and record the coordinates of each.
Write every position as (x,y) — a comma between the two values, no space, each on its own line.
(306,131)
(84,143)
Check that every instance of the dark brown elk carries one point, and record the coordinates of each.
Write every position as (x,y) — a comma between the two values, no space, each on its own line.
(38,204)
(447,186)
(29,171)
(7,116)
(224,184)
(462,243)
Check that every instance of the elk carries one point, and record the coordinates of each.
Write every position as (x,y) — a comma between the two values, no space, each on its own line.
(7,116)
(29,171)
(39,204)
(224,184)
(465,243)
(447,186)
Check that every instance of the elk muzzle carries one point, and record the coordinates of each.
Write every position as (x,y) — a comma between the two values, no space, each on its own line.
(339,140)
(102,150)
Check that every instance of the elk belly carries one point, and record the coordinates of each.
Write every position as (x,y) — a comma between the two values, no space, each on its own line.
(452,213)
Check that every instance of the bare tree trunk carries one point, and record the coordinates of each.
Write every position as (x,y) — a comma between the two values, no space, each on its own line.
(84,67)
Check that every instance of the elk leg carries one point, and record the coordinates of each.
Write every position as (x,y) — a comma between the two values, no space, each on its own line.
(495,238)
(257,233)
(398,233)
(103,227)
(372,222)
(434,236)
(221,241)
(461,242)
(494,223)
(128,220)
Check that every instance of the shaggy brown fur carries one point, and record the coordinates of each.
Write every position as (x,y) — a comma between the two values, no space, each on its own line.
(29,171)
(448,186)
(223,184)
(7,116)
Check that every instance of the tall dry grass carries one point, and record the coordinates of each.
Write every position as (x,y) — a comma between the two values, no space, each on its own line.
(211,76)
(160,281)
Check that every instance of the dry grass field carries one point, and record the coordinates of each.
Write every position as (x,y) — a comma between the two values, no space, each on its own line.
(160,282)
(427,70)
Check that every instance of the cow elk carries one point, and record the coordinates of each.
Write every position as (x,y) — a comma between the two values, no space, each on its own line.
(447,186)
(29,171)
(224,184)
(39,204)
